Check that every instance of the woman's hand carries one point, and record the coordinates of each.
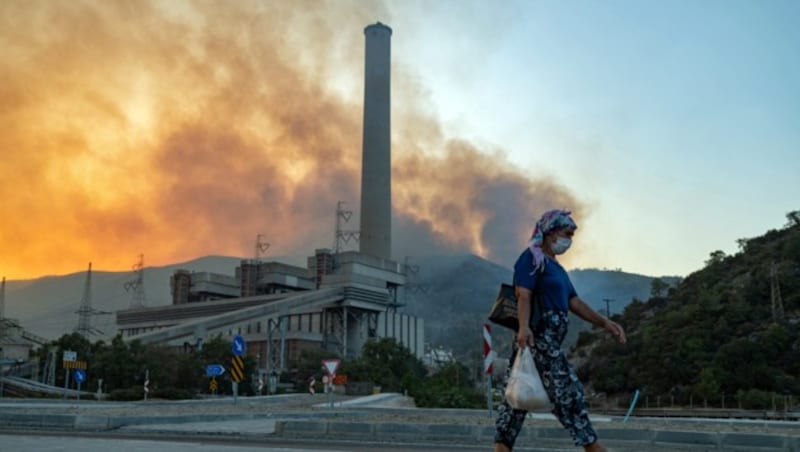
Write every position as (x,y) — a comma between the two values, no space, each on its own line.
(524,336)
(615,329)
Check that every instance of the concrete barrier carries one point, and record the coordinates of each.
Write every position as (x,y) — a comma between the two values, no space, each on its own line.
(555,437)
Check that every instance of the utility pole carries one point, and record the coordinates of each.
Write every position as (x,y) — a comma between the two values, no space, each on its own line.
(608,307)
(2,311)
(775,293)
(2,330)
(136,286)
(3,299)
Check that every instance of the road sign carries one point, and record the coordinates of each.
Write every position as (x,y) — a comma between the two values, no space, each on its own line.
(75,365)
(238,345)
(331,365)
(80,375)
(212,385)
(488,353)
(237,369)
(69,355)
(260,384)
(215,370)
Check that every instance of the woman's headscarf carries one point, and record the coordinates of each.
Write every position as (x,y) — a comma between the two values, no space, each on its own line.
(552,220)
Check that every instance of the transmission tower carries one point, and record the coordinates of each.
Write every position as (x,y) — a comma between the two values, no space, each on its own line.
(2,314)
(3,299)
(343,237)
(86,311)
(412,287)
(261,247)
(775,293)
(136,286)
(608,302)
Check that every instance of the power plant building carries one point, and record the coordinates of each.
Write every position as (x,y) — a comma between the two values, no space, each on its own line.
(338,302)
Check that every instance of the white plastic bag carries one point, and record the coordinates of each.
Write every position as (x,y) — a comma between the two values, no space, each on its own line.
(524,390)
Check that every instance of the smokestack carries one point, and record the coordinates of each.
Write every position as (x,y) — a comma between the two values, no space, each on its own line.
(376,172)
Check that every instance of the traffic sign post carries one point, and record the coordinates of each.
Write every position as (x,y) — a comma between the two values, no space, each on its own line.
(238,348)
(146,383)
(80,377)
(488,360)
(215,370)
(330,366)
(69,356)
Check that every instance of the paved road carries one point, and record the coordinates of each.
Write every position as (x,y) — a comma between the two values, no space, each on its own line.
(43,442)
(373,423)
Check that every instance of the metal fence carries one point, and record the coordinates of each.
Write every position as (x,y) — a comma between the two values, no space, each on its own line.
(747,404)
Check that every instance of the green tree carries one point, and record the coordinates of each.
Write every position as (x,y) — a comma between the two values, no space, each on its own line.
(658,287)
(309,364)
(450,387)
(707,386)
(386,363)
(715,257)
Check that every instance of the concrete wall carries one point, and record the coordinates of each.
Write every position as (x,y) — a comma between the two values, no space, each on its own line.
(407,330)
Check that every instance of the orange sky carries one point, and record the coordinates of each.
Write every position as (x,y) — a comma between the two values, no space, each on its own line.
(180,130)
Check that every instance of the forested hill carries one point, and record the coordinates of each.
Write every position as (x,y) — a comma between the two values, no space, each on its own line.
(719,331)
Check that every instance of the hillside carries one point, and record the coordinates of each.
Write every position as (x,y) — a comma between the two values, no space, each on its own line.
(716,333)
(454,293)
(46,306)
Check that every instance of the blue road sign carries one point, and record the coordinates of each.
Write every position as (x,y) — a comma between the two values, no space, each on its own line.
(80,375)
(238,345)
(215,370)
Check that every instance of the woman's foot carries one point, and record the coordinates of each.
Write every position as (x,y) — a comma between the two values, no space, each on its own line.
(595,447)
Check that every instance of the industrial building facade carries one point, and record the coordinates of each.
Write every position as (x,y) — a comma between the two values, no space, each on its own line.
(339,307)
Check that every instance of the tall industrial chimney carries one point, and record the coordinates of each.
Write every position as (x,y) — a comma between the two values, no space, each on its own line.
(376,170)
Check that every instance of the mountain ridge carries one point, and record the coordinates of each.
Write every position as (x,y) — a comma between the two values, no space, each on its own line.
(47,305)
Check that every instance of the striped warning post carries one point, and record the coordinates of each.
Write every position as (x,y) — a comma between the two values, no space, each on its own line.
(488,353)
(237,369)
(75,365)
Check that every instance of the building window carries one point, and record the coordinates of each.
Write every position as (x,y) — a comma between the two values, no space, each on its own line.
(258,327)
(316,322)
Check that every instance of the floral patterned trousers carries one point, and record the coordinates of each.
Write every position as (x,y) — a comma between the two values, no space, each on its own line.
(559,379)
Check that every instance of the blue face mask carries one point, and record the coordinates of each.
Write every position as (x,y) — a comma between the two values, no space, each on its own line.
(561,245)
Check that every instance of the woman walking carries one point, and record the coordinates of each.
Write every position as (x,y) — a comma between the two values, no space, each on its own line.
(538,276)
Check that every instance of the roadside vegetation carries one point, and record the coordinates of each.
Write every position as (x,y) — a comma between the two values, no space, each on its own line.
(120,368)
(727,335)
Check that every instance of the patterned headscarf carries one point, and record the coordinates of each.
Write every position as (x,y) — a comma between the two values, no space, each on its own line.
(552,220)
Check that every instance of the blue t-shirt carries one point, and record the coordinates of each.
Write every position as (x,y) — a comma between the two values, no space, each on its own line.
(552,286)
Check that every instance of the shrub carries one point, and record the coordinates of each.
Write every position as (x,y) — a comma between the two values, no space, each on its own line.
(754,399)
(126,394)
(173,394)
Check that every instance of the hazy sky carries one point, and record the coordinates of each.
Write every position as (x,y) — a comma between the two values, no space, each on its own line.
(180,129)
